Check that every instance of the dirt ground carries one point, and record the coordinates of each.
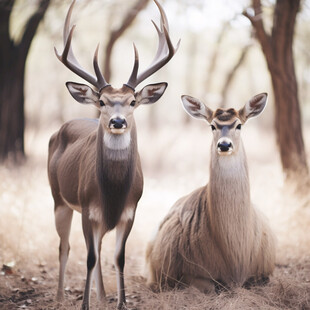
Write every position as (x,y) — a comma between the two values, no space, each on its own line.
(174,165)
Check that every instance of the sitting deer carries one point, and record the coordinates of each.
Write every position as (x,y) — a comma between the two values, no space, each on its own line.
(94,165)
(214,236)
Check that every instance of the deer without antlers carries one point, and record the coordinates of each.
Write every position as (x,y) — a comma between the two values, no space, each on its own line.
(214,235)
(94,166)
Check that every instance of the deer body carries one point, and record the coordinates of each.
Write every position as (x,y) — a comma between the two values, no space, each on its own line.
(106,193)
(112,166)
(215,235)
(94,165)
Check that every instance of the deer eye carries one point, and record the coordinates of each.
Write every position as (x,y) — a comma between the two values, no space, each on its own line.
(101,103)
(133,103)
(213,128)
(238,127)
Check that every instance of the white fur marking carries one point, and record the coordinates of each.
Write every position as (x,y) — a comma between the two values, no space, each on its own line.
(95,213)
(127,214)
(117,131)
(117,141)
(118,145)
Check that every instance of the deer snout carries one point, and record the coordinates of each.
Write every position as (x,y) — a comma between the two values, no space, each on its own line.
(117,124)
(224,146)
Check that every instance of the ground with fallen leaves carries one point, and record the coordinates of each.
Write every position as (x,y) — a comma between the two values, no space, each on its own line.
(173,165)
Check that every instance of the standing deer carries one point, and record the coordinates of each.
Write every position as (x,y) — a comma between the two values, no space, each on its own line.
(214,236)
(94,165)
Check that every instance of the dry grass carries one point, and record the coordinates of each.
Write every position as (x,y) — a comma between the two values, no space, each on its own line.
(29,240)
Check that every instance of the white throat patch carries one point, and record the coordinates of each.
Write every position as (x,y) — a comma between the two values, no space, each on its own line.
(117,141)
(118,145)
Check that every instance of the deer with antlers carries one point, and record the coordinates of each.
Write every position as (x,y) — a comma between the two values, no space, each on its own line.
(214,236)
(94,165)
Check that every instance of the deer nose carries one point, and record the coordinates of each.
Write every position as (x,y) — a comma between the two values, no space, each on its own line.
(118,123)
(224,146)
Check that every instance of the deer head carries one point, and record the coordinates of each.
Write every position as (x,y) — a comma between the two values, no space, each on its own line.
(225,124)
(116,105)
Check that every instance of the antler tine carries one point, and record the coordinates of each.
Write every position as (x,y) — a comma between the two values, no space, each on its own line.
(135,69)
(100,78)
(68,59)
(67,30)
(165,51)
(163,17)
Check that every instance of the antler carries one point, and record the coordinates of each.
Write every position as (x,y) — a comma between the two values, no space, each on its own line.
(68,59)
(165,52)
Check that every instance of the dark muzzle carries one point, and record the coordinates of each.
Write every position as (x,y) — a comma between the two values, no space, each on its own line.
(118,123)
(224,146)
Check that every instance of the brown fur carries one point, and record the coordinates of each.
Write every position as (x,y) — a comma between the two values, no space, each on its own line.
(225,115)
(67,173)
(84,176)
(214,235)
(94,168)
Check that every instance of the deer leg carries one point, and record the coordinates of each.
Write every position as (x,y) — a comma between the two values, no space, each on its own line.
(123,229)
(93,234)
(63,219)
(97,270)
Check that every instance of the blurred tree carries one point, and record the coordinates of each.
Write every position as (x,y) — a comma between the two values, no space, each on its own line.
(117,33)
(189,70)
(212,64)
(13,55)
(278,51)
(232,73)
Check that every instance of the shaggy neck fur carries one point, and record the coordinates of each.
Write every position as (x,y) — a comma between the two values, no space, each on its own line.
(115,167)
(230,209)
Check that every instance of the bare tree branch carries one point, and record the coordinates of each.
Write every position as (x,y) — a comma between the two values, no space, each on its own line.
(278,52)
(117,33)
(32,26)
(258,25)
(232,73)
(214,56)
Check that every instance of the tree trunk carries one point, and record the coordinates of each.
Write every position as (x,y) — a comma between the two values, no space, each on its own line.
(12,73)
(278,51)
(12,109)
(288,122)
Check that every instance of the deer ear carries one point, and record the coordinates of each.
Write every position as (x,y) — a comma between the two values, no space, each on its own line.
(151,93)
(253,107)
(196,108)
(82,93)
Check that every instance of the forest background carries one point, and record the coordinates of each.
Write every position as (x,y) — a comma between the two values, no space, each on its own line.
(224,60)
